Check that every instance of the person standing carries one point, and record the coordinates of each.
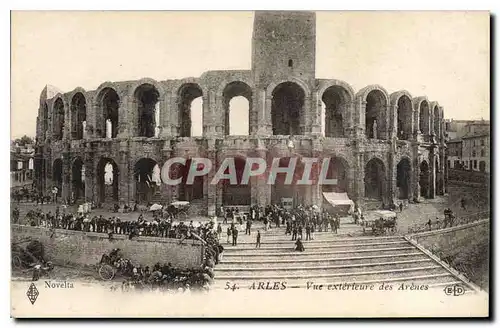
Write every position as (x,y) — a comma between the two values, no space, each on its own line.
(257,244)
(248,226)
(229,230)
(235,236)
(294,231)
(308,231)
(401,207)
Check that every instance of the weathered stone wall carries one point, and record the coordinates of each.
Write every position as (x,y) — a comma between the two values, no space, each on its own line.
(465,248)
(86,248)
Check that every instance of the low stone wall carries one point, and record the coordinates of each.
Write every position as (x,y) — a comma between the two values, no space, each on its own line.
(463,247)
(86,248)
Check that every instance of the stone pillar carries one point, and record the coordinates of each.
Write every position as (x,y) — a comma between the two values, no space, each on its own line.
(166,110)
(66,174)
(127,122)
(91,180)
(359,180)
(316,114)
(261,191)
(433,176)
(209,188)
(316,188)
(126,181)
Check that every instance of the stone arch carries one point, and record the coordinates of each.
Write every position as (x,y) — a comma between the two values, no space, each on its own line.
(186,93)
(270,88)
(238,194)
(403,178)
(187,192)
(375,179)
(435,118)
(402,101)
(58,118)
(280,189)
(421,105)
(146,98)
(339,169)
(147,176)
(232,90)
(108,175)
(78,179)
(287,108)
(424,179)
(376,101)
(337,100)
(78,115)
(107,104)
(57,175)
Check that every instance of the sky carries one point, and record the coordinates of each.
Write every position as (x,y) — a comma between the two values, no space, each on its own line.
(443,55)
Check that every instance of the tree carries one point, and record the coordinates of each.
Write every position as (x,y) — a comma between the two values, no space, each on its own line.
(24,140)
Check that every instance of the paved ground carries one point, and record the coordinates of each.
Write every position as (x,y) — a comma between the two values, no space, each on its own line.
(413,214)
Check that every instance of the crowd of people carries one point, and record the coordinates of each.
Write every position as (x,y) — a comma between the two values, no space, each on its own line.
(159,276)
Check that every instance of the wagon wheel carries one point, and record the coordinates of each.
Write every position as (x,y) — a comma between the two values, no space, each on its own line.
(17,263)
(182,215)
(106,272)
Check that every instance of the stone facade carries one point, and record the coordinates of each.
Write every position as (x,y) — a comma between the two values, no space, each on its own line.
(368,132)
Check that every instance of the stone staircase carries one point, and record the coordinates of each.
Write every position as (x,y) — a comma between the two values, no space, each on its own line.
(344,258)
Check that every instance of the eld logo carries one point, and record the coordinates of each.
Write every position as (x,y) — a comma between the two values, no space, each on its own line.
(455,290)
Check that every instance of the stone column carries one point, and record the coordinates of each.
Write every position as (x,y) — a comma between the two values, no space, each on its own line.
(126,180)
(91,179)
(316,188)
(209,188)
(66,174)
(165,115)
(432,175)
(127,122)
(316,114)
(359,182)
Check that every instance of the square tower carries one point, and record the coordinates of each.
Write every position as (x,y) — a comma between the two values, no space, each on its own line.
(283,46)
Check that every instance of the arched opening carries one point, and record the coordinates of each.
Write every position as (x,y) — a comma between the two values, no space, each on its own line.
(190,113)
(482,166)
(78,179)
(237,108)
(147,98)
(57,175)
(147,180)
(107,180)
(424,180)
(187,192)
(78,116)
(30,164)
(375,115)
(403,176)
(375,179)
(337,169)
(404,130)
(58,120)
(280,189)
(424,119)
(107,123)
(336,103)
(290,63)
(45,121)
(437,121)
(286,110)
(238,194)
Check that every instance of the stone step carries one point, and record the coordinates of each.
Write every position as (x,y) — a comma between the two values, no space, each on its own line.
(324,268)
(277,248)
(366,275)
(307,262)
(292,255)
(439,280)
(326,238)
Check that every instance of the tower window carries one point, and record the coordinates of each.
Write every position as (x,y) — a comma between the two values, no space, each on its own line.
(290,63)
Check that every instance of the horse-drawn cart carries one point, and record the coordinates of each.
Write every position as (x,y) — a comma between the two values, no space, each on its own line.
(380,222)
